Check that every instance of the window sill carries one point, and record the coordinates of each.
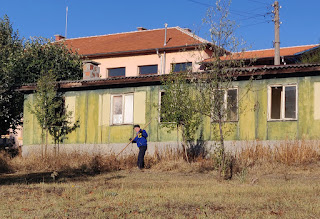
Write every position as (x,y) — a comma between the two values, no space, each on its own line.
(282,120)
(121,124)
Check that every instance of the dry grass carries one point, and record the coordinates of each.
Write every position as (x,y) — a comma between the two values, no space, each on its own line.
(283,182)
(288,153)
(154,194)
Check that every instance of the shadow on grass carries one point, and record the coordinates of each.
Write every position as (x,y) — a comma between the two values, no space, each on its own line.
(47,177)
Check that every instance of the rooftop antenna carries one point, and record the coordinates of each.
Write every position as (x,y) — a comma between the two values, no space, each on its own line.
(66,22)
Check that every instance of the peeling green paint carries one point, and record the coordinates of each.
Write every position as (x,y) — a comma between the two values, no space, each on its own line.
(253,123)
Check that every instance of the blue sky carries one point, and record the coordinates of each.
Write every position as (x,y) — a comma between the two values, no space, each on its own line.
(300,19)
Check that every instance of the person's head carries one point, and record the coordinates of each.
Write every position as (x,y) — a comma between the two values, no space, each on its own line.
(136,128)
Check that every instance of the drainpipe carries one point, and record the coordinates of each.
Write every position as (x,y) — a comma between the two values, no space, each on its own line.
(164,52)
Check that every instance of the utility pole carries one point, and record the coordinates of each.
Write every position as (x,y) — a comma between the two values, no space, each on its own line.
(65,34)
(276,33)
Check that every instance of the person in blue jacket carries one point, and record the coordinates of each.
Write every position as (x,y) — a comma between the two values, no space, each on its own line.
(141,140)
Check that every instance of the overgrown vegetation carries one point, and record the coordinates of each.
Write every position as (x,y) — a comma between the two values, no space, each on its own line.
(289,153)
(75,191)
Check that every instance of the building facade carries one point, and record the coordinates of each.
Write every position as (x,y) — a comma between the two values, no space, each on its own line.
(282,103)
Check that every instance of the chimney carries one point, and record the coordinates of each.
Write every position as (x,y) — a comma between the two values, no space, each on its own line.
(141,28)
(59,37)
(91,70)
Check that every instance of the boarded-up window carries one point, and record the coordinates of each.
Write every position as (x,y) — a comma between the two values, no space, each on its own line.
(283,102)
(122,109)
(70,104)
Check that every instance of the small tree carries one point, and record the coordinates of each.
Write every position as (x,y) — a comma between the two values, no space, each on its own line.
(192,95)
(178,107)
(221,72)
(50,111)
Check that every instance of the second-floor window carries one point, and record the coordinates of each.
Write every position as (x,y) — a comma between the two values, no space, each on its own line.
(181,67)
(282,102)
(116,72)
(148,69)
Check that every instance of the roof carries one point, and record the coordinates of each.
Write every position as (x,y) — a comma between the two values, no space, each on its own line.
(300,69)
(136,41)
(268,53)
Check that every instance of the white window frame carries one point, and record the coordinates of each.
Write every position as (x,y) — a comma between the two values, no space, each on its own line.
(225,104)
(282,107)
(123,108)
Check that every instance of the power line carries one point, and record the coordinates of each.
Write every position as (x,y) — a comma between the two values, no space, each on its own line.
(255,24)
(235,12)
(259,2)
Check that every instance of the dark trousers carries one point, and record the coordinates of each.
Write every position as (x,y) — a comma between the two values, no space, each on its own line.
(142,152)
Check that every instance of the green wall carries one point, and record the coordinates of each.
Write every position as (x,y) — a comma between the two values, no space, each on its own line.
(252,123)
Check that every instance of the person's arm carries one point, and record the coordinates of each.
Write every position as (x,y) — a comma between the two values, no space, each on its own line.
(144,134)
(134,140)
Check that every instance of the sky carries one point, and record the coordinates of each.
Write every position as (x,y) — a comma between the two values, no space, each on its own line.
(300,19)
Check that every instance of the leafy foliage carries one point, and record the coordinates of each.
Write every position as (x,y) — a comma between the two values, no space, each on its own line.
(11,101)
(312,57)
(24,62)
(178,105)
(41,55)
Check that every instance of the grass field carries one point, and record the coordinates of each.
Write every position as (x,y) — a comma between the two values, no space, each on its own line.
(288,192)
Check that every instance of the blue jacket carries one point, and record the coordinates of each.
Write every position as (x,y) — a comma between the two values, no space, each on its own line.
(141,138)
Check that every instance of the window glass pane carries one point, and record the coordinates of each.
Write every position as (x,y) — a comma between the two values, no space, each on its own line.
(232,108)
(117,109)
(148,69)
(276,102)
(290,102)
(182,67)
(128,109)
(116,72)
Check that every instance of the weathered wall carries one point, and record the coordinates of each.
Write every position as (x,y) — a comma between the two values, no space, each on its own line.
(92,108)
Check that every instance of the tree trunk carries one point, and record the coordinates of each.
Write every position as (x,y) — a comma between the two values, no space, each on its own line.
(42,142)
(184,144)
(222,150)
(46,145)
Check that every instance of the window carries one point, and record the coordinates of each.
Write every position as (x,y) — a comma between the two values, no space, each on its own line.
(181,67)
(116,72)
(122,109)
(228,100)
(148,69)
(282,102)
